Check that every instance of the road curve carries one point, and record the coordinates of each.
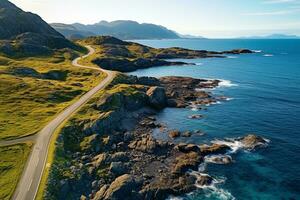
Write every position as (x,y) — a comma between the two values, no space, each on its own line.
(31,177)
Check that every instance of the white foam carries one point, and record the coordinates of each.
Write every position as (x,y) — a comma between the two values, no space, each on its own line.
(198,64)
(233,144)
(174,198)
(229,99)
(212,190)
(232,57)
(257,51)
(226,83)
(268,55)
(211,158)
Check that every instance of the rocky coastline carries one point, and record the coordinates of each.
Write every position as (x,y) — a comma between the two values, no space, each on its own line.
(123,56)
(121,155)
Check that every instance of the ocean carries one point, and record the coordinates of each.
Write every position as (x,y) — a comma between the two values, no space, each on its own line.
(263,91)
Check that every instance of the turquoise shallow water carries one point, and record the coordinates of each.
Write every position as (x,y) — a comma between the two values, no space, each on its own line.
(265,92)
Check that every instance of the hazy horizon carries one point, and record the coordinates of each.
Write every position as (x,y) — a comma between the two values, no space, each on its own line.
(214,19)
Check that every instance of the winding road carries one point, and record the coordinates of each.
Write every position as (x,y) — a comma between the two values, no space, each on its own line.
(29,182)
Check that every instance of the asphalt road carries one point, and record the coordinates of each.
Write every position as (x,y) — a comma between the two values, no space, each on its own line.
(31,177)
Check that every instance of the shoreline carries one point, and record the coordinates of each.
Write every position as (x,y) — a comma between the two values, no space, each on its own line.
(136,163)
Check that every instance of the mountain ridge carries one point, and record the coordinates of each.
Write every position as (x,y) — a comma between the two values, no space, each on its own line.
(25,33)
(123,29)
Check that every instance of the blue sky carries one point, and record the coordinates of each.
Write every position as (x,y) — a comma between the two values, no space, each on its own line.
(210,18)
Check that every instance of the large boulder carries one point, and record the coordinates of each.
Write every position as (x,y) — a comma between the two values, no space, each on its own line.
(157,97)
(123,187)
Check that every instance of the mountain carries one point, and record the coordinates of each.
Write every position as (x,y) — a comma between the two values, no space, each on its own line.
(27,33)
(122,29)
(71,31)
(273,36)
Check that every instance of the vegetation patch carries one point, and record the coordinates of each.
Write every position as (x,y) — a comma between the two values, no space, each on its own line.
(35,89)
(13,159)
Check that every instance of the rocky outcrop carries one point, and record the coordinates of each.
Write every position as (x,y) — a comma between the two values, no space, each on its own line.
(122,187)
(184,91)
(238,51)
(252,141)
(214,149)
(157,97)
(126,65)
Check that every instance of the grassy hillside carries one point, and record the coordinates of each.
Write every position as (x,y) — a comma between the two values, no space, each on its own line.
(13,159)
(34,89)
(26,34)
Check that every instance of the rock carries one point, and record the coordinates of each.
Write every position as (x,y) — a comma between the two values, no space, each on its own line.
(186,148)
(204,180)
(101,193)
(147,144)
(186,134)
(121,188)
(157,97)
(118,168)
(219,159)
(237,51)
(198,116)
(252,141)
(94,184)
(119,156)
(214,149)
(82,197)
(174,134)
(99,160)
(187,161)
(199,132)
(128,136)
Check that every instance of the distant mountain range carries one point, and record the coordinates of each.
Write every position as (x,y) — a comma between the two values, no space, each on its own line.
(273,36)
(122,29)
(27,33)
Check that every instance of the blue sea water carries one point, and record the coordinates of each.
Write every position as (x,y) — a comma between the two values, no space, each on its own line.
(265,92)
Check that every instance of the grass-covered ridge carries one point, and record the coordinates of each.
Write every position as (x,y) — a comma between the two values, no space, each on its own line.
(13,159)
(118,55)
(34,89)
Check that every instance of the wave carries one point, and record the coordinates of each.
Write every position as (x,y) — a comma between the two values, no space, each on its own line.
(257,51)
(212,190)
(218,159)
(232,57)
(233,144)
(226,83)
(198,64)
(268,55)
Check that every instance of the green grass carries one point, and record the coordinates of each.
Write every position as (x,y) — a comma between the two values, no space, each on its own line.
(29,101)
(12,161)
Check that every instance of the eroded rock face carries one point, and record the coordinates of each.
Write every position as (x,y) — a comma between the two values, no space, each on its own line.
(123,187)
(157,97)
